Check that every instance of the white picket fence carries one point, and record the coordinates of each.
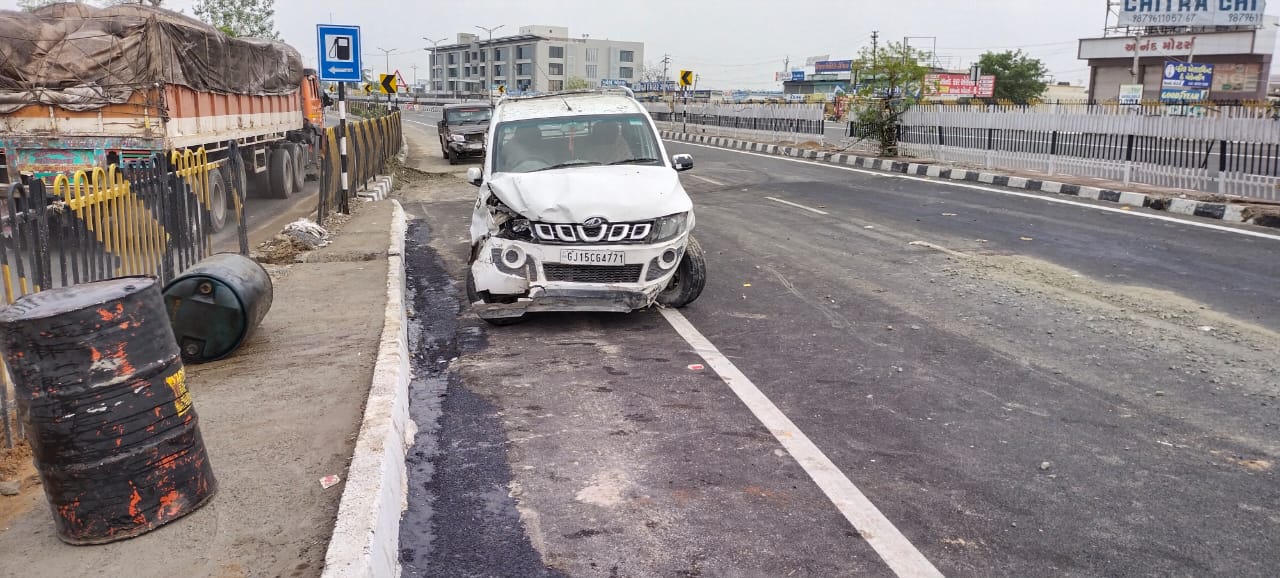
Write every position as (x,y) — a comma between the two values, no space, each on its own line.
(780,111)
(1230,150)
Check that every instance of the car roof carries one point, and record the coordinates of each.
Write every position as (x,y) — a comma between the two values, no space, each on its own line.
(564,105)
(467,105)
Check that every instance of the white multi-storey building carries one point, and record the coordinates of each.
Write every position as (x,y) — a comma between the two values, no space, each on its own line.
(539,58)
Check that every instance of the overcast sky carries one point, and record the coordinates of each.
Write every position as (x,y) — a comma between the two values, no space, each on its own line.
(729,43)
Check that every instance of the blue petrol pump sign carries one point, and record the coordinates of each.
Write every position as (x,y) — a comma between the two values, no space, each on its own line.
(339,55)
(1186,82)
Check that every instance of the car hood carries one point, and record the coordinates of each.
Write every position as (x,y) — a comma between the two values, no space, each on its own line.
(573,195)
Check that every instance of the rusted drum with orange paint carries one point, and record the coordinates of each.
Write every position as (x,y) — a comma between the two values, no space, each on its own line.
(115,437)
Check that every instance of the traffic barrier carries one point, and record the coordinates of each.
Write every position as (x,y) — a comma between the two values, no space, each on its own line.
(370,144)
(113,429)
(151,218)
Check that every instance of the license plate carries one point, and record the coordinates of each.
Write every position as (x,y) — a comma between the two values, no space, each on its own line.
(579,257)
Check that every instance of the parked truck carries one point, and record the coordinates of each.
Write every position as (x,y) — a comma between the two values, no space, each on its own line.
(84,87)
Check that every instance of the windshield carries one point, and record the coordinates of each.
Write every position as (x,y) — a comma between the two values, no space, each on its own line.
(550,143)
(476,115)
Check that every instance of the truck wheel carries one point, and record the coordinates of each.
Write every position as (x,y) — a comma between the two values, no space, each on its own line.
(474,296)
(299,167)
(280,173)
(452,156)
(444,149)
(691,275)
(217,201)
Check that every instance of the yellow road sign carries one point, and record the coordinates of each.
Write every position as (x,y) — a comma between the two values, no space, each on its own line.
(387,83)
(686,78)
(368,88)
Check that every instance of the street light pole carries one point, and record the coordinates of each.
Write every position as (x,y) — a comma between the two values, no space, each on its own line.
(434,45)
(387,53)
(489,60)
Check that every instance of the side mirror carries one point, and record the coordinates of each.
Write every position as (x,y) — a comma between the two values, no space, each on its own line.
(474,176)
(682,163)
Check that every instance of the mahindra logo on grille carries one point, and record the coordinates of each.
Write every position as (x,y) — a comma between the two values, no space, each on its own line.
(593,230)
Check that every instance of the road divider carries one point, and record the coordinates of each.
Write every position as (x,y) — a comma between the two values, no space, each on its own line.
(371,144)
(366,535)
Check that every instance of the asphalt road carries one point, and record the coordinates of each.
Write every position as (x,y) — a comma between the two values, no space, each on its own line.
(1011,386)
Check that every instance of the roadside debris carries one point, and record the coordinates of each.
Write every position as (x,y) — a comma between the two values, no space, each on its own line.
(696,367)
(329,481)
(10,488)
(307,232)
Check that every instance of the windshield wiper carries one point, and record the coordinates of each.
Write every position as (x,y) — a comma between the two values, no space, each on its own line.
(635,161)
(568,164)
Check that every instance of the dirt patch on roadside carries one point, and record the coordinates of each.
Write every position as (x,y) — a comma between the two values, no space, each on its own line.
(16,464)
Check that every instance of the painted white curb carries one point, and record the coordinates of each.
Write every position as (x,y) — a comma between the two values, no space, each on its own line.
(379,190)
(366,535)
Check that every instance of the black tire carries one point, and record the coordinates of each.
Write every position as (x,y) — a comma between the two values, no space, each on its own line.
(444,150)
(691,276)
(452,156)
(280,173)
(299,166)
(474,296)
(244,183)
(217,201)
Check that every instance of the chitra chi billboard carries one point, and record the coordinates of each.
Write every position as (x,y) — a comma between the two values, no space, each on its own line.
(1191,12)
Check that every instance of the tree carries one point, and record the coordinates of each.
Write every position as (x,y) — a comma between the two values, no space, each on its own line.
(650,72)
(576,83)
(240,18)
(890,81)
(1019,77)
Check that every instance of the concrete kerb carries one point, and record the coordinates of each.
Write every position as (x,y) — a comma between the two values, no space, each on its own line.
(1220,211)
(366,535)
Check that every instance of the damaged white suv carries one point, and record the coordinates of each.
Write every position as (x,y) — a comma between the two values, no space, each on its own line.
(579,210)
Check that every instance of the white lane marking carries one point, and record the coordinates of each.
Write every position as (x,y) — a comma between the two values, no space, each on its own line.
(798,206)
(712,181)
(894,548)
(1049,199)
(951,252)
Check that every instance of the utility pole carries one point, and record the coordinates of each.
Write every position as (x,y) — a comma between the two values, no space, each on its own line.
(387,53)
(488,61)
(415,73)
(432,75)
(666,61)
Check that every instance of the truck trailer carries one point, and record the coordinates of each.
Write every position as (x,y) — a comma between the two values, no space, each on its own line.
(84,87)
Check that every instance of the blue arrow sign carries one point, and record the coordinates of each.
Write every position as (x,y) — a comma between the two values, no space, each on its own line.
(339,55)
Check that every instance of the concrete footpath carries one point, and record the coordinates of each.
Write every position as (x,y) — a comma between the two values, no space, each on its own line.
(286,410)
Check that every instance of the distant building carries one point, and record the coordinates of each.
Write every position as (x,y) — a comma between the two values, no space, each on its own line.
(1241,57)
(1065,92)
(539,58)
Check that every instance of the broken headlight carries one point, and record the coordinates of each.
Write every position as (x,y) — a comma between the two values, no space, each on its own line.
(511,225)
(668,227)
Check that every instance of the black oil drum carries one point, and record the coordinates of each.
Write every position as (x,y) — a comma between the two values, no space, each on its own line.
(115,437)
(216,304)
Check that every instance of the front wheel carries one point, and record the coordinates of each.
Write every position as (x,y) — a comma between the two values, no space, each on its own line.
(691,275)
(474,296)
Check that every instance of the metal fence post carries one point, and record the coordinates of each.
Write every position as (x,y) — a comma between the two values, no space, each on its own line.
(1128,158)
(1219,182)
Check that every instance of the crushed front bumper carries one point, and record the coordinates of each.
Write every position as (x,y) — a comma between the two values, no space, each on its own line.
(540,282)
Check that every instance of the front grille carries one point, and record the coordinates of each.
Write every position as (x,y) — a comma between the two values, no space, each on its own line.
(611,233)
(475,137)
(592,273)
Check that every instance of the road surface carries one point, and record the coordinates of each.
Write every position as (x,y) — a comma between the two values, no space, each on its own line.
(885,376)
